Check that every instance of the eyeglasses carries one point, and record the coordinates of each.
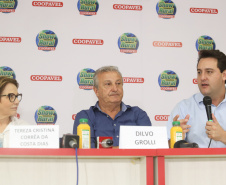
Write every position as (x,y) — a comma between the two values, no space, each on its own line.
(12,97)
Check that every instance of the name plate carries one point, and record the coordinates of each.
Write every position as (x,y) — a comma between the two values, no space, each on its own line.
(34,136)
(142,137)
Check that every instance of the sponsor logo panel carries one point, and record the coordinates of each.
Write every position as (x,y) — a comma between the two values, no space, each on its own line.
(88,7)
(128,43)
(195,81)
(45,115)
(205,43)
(167,44)
(85,79)
(161,117)
(47,4)
(46,78)
(168,80)
(88,41)
(18,115)
(8,6)
(46,40)
(74,116)
(133,80)
(204,10)
(7,71)
(166,9)
(10,39)
(127,7)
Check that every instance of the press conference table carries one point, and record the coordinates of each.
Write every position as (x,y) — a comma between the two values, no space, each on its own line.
(191,166)
(58,167)
(113,166)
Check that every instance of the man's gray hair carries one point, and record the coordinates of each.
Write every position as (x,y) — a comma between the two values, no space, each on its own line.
(103,70)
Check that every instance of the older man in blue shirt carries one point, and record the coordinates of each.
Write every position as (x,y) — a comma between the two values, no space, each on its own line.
(110,112)
(211,76)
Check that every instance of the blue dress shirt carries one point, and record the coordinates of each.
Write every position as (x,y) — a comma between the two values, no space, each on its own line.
(196,109)
(102,124)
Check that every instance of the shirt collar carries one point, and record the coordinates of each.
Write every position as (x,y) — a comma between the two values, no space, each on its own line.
(123,107)
(199,98)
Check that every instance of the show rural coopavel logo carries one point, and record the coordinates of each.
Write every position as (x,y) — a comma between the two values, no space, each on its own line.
(167,44)
(55,78)
(46,40)
(161,117)
(88,7)
(133,80)
(47,4)
(204,10)
(166,9)
(45,115)
(195,81)
(7,71)
(8,6)
(73,116)
(127,7)
(88,41)
(168,80)
(18,115)
(85,79)
(128,43)
(205,43)
(10,39)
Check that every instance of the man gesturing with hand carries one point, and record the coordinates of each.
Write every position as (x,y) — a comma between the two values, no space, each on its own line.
(211,76)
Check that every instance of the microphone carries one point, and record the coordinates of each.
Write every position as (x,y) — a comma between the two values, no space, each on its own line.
(104,142)
(70,141)
(73,143)
(185,144)
(207,102)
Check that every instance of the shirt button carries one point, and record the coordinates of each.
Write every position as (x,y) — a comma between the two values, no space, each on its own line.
(117,136)
(114,124)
